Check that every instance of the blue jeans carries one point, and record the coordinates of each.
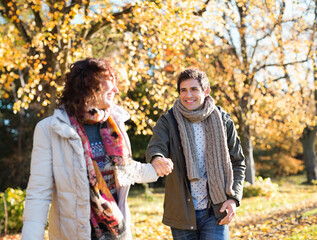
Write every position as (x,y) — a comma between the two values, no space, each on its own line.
(207,228)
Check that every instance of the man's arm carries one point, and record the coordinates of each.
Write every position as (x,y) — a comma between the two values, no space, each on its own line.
(237,160)
(157,149)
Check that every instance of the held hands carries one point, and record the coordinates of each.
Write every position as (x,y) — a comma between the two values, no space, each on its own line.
(163,166)
(230,207)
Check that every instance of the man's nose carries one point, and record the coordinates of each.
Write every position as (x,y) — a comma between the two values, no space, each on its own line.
(189,94)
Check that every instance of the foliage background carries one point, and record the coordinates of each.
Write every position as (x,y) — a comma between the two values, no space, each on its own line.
(260,57)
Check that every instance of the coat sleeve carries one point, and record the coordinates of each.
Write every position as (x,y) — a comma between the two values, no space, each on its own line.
(237,160)
(39,189)
(159,143)
(135,172)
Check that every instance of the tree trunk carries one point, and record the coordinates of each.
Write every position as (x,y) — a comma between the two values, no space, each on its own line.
(308,142)
(19,166)
(247,147)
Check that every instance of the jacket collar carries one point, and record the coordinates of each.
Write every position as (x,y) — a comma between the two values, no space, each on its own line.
(61,125)
(119,114)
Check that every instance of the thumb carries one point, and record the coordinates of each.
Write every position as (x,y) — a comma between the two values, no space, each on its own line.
(223,208)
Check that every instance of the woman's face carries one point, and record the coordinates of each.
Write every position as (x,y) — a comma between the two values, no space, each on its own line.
(105,95)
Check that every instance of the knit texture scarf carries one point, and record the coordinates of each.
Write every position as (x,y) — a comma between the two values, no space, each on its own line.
(105,213)
(218,163)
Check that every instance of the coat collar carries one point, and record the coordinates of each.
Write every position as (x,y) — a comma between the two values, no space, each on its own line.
(61,125)
(119,114)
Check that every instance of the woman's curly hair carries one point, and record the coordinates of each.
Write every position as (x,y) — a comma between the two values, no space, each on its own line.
(82,84)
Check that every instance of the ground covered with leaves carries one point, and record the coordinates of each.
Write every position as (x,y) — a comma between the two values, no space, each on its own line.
(290,213)
(300,223)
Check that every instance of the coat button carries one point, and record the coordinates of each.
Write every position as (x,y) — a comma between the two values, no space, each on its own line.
(188,199)
(191,227)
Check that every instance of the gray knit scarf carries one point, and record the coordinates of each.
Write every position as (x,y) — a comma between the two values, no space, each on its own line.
(218,164)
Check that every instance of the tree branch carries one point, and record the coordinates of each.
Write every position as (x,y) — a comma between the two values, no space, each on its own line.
(201,11)
(280,64)
(9,13)
(99,25)
(37,17)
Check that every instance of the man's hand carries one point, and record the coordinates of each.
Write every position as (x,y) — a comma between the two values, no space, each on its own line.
(230,207)
(163,166)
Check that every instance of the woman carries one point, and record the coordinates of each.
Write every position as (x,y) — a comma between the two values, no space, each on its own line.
(81,162)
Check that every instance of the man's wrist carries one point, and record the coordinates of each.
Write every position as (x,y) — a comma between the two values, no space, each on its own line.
(156,155)
(235,200)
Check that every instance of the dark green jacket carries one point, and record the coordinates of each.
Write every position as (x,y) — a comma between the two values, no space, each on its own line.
(179,211)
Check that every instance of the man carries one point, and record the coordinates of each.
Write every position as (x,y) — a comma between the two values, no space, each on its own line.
(196,143)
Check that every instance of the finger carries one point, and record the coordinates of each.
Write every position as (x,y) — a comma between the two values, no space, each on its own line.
(230,220)
(167,166)
(156,163)
(223,221)
(160,169)
(164,170)
(170,163)
(231,216)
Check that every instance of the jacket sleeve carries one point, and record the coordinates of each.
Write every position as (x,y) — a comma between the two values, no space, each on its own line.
(158,145)
(237,160)
(135,172)
(39,190)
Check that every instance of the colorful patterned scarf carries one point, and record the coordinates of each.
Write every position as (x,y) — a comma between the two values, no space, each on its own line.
(105,213)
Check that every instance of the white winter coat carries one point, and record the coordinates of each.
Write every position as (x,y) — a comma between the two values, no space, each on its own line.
(59,176)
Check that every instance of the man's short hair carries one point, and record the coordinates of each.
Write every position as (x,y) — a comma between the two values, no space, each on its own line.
(194,73)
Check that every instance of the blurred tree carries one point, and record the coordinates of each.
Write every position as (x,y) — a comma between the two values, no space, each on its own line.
(150,51)
(38,40)
(309,133)
(251,51)
(260,46)
(42,38)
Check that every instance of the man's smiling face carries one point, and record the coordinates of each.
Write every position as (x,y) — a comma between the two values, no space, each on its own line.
(191,94)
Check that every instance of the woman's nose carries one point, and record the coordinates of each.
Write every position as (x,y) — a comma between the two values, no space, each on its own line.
(115,89)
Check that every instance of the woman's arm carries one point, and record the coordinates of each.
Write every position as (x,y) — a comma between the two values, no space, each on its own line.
(39,190)
(135,172)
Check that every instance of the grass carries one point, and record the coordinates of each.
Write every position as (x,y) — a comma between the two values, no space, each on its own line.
(289,214)
(309,232)
(147,210)
(310,213)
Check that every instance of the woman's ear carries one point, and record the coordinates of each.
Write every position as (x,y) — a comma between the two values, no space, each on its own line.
(207,91)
